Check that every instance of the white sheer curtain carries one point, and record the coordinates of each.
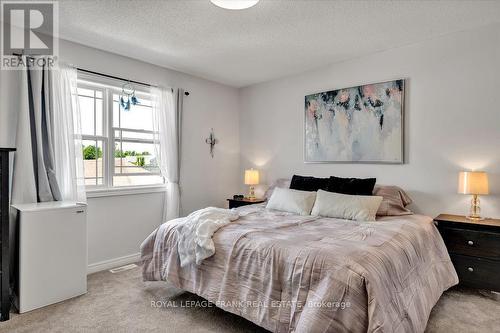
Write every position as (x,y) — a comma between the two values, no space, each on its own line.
(68,135)
(166,124)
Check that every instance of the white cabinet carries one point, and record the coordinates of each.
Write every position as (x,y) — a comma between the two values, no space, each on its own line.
(52,253)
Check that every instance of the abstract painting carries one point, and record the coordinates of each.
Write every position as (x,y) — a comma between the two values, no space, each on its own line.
(359,124)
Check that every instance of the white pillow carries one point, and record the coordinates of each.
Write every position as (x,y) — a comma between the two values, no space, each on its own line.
(343,206)
(293,201)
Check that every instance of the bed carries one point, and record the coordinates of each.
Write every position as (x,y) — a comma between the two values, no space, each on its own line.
(291,273)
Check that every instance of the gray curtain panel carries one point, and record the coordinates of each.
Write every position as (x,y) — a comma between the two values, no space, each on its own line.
(41,123)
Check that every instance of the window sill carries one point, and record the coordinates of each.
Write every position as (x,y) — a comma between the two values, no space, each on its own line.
(111,192)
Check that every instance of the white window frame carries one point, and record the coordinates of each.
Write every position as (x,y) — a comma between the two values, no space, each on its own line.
(103,137)
(110,87)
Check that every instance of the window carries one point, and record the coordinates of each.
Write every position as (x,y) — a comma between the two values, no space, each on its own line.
(118,146)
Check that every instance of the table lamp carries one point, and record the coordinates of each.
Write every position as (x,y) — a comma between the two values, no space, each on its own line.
(475,183)
(251,179)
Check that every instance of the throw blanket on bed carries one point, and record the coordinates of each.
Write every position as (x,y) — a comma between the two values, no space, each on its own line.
(195,233)
(290,273)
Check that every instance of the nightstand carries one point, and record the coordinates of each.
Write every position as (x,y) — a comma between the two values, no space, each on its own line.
(235,203)
(474,248)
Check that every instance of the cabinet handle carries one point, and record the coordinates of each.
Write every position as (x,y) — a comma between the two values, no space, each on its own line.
(470,242)
(79,211)
(470,269)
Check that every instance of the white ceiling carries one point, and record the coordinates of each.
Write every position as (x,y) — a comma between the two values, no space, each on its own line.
(273,39)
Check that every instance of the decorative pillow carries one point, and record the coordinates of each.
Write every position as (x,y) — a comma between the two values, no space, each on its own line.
(353,186)
(280,182)
(343,206)
(293,201)
(305,183)
(394,202)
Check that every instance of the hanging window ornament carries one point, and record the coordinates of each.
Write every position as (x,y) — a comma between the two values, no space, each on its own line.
(128,97)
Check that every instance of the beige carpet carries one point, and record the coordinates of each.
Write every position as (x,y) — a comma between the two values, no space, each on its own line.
(121,302)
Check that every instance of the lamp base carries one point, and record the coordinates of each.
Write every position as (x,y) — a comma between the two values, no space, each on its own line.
(251,193)
(475,209)
(475,218)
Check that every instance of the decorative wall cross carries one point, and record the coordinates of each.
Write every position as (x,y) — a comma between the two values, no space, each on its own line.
(212,141)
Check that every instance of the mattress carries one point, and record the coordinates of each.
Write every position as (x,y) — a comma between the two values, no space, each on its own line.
(290,273)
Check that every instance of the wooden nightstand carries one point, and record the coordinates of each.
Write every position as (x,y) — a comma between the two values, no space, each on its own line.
(474,248)
(235,203)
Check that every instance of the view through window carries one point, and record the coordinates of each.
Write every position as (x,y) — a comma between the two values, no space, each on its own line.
(118,146)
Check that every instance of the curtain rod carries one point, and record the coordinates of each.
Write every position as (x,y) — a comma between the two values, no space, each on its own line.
(119,78)
(102,74)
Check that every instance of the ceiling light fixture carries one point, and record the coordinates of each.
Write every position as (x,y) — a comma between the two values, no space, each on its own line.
(234,4)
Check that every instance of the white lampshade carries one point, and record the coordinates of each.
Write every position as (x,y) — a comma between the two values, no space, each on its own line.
(473,182)
(251,177)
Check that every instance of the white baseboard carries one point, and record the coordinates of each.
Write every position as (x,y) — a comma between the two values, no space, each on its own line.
(113,263)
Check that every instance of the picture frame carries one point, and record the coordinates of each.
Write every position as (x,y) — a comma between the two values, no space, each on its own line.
(357,124)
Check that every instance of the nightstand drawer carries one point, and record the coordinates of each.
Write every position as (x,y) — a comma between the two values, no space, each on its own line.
(477,272)
(472,243)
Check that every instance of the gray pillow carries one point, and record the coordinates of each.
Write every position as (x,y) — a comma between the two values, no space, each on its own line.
(394,201)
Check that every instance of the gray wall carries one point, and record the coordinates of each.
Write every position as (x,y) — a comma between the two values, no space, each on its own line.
(452,118)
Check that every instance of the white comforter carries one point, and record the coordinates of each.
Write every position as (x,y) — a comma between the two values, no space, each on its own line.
(196,231)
